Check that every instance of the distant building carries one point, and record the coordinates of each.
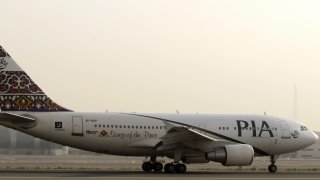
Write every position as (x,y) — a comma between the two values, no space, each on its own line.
(15,142)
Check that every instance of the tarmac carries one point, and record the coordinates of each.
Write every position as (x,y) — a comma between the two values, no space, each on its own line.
(132,175)
(116,167)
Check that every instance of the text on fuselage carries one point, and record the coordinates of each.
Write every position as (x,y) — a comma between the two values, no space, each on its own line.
(265,128)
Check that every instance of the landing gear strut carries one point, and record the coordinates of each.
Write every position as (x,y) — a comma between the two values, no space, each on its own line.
(272,167)
(175,166)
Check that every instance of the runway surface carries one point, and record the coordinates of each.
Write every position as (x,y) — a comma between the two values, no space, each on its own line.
(132,175)
(15,167)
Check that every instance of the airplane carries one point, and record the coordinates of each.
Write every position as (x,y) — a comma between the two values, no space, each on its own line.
(232,140)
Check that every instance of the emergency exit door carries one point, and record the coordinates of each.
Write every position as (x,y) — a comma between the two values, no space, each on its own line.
(77,126)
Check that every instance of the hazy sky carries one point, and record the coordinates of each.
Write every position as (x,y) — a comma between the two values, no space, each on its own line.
(162,55)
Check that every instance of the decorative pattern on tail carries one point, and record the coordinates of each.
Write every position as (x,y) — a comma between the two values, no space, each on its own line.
(18,92)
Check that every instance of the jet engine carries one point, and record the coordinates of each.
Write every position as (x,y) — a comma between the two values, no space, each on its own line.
(232,155)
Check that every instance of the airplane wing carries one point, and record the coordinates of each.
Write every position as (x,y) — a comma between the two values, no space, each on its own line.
(174,136)
(9,119)
(178,135)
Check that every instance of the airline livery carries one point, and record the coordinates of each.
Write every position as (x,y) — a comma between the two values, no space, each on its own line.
(232,140)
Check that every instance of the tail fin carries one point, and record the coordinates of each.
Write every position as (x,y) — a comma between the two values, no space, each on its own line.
(18,92)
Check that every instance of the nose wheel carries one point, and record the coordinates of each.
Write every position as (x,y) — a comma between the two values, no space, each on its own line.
(272,167)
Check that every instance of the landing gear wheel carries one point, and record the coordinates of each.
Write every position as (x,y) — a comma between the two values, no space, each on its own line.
(181,168)
(147,166)
(169,168)
(272,168)
(157,167)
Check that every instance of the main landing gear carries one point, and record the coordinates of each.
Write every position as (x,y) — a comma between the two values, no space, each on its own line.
(174,167)
(272,167)
(155,166)
(168,168)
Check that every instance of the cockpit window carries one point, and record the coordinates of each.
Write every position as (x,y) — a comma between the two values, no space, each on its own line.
(303,128)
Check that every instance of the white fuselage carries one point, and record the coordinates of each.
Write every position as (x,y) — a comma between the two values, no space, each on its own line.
(136,134)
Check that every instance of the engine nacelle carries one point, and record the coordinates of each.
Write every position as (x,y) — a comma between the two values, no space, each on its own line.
(232,155)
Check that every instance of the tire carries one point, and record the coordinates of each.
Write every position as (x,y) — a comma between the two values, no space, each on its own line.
(157,167)
(147,166)
(272,168)
(181,168)
(169,168)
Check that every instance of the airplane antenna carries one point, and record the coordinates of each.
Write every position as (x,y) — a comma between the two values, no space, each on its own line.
(178,111)
(265,113)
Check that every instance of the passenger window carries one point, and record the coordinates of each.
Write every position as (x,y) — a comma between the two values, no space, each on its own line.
(116,126)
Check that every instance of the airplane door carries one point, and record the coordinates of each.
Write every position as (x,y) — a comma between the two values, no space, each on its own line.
(77,126)
(285,130)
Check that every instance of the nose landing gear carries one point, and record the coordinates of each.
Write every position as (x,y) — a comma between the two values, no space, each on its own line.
(272,167)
